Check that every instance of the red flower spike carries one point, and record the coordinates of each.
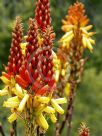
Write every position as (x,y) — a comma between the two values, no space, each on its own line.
(27,67)
(31,38)
(49,36)
(15,51)
(42,14)
(84,130)
(77,15)
(37,68)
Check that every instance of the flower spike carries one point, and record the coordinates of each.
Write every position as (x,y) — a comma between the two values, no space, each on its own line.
(84,130)
(42,14)
(77,22)
(15,57)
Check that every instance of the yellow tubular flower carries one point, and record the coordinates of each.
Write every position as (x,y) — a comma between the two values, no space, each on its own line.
(42,99)
(67,37)
(88,27)
(92,41)
(12,102)
(5,80)
(13,99)
(61,100)
(40,109)
(53,118)
(18,91)
(57,75)
(57,107)
(12,117)
(4,91)
(41,121)
(23,103)
(67,89)
(89,45)
(63,72)
(49,109)
(67,28)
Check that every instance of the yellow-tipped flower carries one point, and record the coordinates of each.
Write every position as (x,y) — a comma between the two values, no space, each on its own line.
(4,91)
(17,90)
(61,100)
(23,103)
(5,80)
(67,28)
(67,89)
(67,38)
(43,99)
(41,121)
(57,75)
(12,117)
(53,118)
(57,107)
(12,102)
(49,109)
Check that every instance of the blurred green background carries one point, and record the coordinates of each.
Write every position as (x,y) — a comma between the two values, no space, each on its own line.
(88,100)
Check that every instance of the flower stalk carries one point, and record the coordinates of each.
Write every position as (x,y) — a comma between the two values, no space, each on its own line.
(1,130)
(29,78)
(70,52)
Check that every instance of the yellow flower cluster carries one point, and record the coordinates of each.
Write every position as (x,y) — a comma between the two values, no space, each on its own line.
(61,69)
(70,34)
(20,101)
(76,26)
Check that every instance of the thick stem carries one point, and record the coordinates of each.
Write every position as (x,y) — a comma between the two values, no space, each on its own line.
(69,112)
(30,126)
(31,130)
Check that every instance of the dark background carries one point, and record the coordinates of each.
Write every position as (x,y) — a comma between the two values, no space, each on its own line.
(88,103)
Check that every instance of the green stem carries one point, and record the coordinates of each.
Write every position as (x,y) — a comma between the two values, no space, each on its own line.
(1,130)
(14,125)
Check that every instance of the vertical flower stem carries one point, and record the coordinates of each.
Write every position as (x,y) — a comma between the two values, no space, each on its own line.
(70,107)
(69,111)
(30,130)
(11,132)
(57,126)
(14,126)
(1,130)
(39,134)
